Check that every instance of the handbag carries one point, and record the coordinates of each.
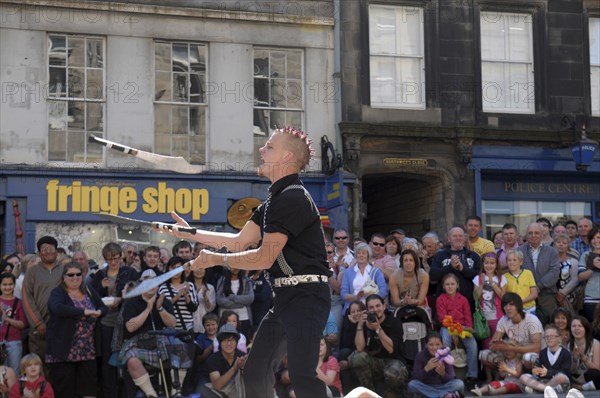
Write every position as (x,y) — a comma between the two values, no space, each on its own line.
(481,328)
(370,287)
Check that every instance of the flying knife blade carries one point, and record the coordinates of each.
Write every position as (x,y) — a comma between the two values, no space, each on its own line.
(153,224)
(173,163)
(149,284)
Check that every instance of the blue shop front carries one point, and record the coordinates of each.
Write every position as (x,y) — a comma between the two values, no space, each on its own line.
(520,184)
(64,202)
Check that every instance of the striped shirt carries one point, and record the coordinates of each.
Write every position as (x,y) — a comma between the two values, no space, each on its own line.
(183,311)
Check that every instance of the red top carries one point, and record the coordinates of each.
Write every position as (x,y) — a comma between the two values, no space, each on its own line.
(457,307)
(332,364)
(15,391)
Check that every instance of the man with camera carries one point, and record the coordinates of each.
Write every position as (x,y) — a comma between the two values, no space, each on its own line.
(377,356)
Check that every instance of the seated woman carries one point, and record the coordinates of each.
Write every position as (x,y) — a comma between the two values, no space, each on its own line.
(363,279)
(142,314)
(225,366)
(585,350)
(182,295)
(562,319)
(431,376)
(553,367)
(409,283)
(70,339)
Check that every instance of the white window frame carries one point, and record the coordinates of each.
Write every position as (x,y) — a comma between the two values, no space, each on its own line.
(178,145)
(594,33)
(400,89)
(75,92)
(502,94)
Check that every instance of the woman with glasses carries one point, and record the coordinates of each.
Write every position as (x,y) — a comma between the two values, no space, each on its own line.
(70,344)
(109,283)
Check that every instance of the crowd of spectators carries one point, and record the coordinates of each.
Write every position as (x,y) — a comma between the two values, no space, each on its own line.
(539,292)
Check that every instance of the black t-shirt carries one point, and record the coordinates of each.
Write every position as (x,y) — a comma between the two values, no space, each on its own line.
(134,306)
(392,327)
(293,213)
(217,362)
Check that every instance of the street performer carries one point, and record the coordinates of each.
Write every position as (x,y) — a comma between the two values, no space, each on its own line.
(287,230)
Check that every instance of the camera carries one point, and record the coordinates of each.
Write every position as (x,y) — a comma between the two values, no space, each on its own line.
(371,317)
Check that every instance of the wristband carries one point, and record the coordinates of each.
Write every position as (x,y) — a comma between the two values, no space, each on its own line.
(161,309)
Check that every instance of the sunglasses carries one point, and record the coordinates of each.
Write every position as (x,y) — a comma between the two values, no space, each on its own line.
(378,244)
(74,274)
(329,252)
(340,237)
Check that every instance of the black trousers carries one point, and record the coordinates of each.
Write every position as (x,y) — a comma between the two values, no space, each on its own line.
(294,326)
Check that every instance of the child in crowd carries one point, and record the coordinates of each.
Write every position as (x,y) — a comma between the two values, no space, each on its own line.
(433,377)
(32,384)
(456,305)
(490,288)
(509,370)
(232,318)
(13,320)
(521,281)
(554,365)
(205,342)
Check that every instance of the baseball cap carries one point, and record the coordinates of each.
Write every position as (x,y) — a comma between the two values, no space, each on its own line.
(226,331)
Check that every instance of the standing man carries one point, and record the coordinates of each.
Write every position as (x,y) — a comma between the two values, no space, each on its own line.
(476,242)
(511,242)
(39,281)
(382,260)
(543,262)
(582,244)
(571,227)
(289,237)
(458,260)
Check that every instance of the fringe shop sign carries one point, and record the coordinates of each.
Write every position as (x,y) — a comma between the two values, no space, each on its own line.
(119,197)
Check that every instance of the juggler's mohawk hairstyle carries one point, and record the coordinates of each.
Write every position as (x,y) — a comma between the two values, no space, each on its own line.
(308,150)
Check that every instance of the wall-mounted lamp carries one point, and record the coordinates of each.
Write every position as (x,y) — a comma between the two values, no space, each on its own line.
(583,148)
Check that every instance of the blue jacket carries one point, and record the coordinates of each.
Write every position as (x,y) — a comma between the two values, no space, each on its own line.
(348,279)
(63,320)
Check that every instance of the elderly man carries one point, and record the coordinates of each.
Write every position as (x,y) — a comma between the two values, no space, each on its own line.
(458,260)
(382,260)
(378,340)
(511,242)
(476,242)
(543,262)
(582,244)
(130,252)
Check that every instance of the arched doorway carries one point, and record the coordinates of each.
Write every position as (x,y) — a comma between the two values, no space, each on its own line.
(411,201)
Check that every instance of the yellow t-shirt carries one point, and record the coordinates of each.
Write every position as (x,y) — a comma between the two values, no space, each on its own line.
(521,284)
(482,246)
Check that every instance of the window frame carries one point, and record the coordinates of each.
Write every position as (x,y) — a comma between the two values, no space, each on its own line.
(422,58)
(595,112)
(68,99)
(531,64)
(172,104)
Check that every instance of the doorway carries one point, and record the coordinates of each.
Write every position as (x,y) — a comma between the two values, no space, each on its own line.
(413,202)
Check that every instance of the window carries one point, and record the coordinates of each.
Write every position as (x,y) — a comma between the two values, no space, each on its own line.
(396,57)
(595,64)
(278,94)
(507,75)
(180,100)
(75,97)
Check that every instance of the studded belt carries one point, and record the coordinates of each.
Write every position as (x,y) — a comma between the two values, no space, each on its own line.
(297,279)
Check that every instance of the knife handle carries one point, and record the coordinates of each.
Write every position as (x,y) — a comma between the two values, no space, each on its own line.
(162,225)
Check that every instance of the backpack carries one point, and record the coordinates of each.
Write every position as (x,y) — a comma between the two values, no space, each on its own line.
(415,327)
